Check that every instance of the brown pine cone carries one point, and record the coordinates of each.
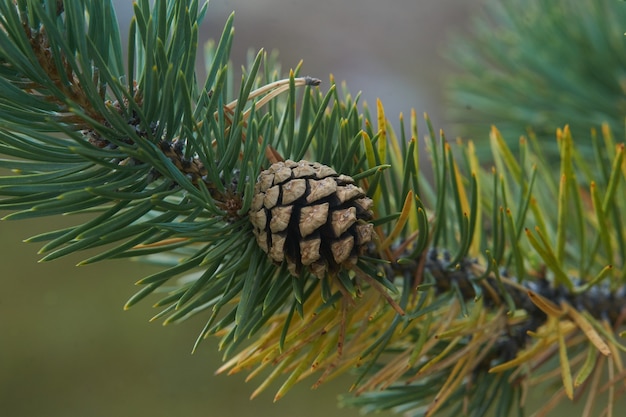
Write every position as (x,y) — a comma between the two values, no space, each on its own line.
(307,215)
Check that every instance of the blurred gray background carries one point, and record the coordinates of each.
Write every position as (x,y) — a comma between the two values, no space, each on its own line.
(67,348)
(386,49)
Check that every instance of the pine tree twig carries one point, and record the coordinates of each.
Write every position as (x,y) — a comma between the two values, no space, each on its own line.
(602,304)
(456,295)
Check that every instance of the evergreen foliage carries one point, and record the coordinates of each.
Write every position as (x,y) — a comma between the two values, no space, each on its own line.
(540,65)
(476,288)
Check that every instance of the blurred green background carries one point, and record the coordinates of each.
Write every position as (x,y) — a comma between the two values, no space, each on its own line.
(68,349)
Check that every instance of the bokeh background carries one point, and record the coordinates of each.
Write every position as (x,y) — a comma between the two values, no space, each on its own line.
(66,346)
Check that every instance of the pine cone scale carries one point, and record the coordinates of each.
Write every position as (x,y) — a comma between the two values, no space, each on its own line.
(342,249)
(271,196)
(312,218)
(277,248)
(280,218)
(293,190)
(342,220)
(310,250)
(320,189)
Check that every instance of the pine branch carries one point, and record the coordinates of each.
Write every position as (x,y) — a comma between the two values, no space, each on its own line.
(445,297)
(522,67)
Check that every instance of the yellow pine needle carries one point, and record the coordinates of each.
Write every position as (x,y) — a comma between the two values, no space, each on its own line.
(340,369)
(455,378)
(593,389)
(369,149)
(269,380)
(330,362)
(243,361)
(471,325)
(623,166)
(351,358)
(607,136)
(461,189)
(544,249)
(614,353)
(458,330)
(587,328)
(424,370)
(267,349)
(303,365)
(587,367)
(255,372)
(564,217)
(451,359)
(341,338)
(323,353)
(404,216)
(396,153)
(389,374)
(554,373)
(430,342)
(565,138)
(607,333)
(382,130)
(393,372)
(303,342)
(266,352)
(371,162)
(566,372)
(414,126)
(480,342)
(545,341)
(232,362)
(611,397)
(322,357)
(552,345)
(545,305)
(413,219)
(370,317)
(466,358)
(414,136)
(475,168)
(498,144)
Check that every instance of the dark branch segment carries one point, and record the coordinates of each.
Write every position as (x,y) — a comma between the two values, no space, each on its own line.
(601,302)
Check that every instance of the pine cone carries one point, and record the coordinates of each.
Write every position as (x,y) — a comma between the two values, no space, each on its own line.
(307,215)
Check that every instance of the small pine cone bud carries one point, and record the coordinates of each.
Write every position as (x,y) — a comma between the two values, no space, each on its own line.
(307,215)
